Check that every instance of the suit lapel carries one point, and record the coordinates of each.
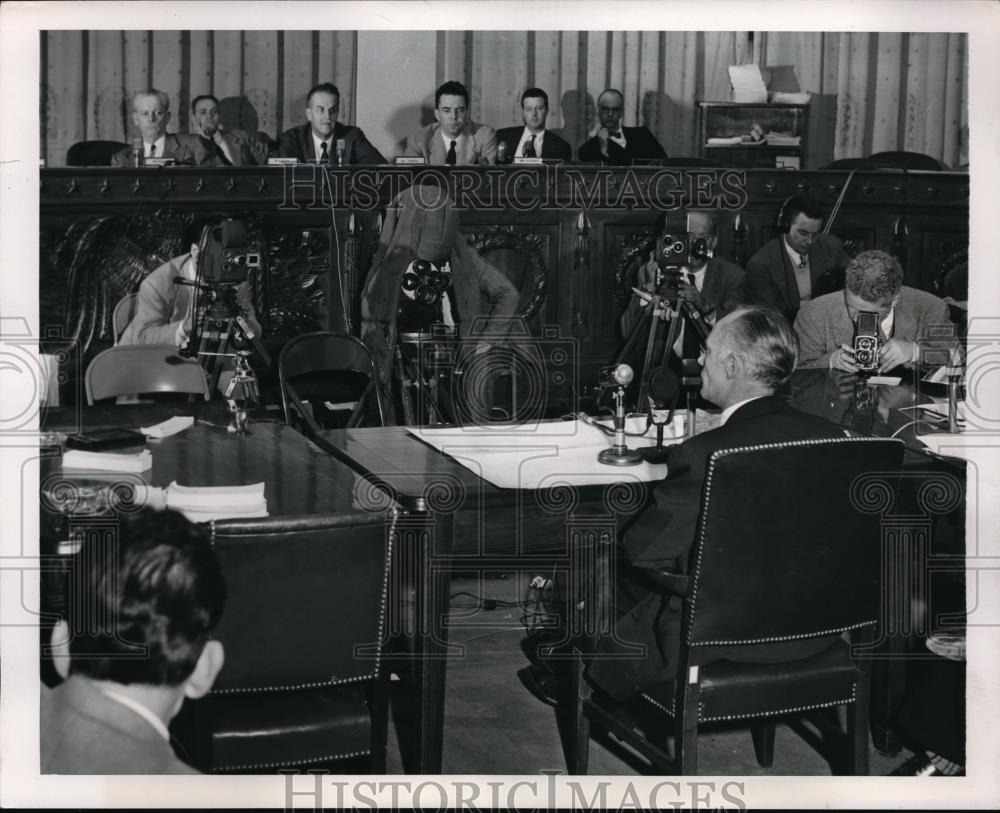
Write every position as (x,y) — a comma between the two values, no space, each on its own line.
(817,265)
(435,149)
(308,149)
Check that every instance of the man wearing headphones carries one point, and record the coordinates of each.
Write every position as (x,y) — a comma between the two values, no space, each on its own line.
(799,264)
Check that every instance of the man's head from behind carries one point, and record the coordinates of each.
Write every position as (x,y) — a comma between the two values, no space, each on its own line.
(751,352)
(535,109)
(141,606)
(151,113)
(872,283)
(610,105)
(205,114)
(800,219)
(451,107)
(322,108)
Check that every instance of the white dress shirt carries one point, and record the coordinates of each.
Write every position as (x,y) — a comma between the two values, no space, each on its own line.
(330,146)
(160,145)
(525,138)
(800,263)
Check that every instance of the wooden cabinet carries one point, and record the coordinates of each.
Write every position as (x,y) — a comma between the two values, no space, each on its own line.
(729,120)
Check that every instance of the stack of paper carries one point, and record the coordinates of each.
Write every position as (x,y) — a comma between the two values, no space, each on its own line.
(748,84)
(169,427)
(107,461)
(205,503)
(779,97)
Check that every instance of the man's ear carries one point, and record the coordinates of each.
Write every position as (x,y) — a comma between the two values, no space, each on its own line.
(166,120)
(731,365)
(60,648)
(205,671)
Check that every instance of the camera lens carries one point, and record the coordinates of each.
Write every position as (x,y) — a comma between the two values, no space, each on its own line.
(410,281)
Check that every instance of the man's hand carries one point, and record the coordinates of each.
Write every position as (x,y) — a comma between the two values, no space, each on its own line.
(690,294)
(602,140)
(895,352)
(843,359)
(183,333)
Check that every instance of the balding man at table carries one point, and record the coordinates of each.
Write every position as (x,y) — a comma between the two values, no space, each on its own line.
(150,115)
(317,140)
(614,144)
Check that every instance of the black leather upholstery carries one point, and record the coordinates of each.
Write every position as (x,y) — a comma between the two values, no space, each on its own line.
(302,629)
(332,368)
(793,556)
(93,153)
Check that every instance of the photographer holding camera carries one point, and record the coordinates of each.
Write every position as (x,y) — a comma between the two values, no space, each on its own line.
(165,309)
(874,316)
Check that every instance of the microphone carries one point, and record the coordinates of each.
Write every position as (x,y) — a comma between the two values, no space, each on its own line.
(619,454)
(691,382)
(138,152)
(341,150)
(620,375)
(664,384)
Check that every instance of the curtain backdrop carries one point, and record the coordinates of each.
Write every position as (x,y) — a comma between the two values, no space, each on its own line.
(871,91)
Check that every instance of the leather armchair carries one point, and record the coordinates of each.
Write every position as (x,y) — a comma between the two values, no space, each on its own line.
(303,683)
(776,563)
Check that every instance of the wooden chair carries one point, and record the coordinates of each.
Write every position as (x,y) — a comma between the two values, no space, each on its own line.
(792,557)
(303,682)
(328,368)
(123,313)
(93,153)
(137,369)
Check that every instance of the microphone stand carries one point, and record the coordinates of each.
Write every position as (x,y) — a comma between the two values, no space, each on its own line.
(619,454)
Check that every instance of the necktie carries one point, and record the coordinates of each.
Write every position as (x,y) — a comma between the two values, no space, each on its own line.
(529,148)
(451,157)
(222,155)
(803,260)
(324,157)
(152,150)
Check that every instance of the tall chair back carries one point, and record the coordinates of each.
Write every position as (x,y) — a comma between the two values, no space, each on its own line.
(303,682)
(123,313)
(143,368)
(799,557)
(334,362)
(93,153)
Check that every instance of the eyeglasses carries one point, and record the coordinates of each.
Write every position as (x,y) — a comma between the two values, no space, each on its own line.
(610,109)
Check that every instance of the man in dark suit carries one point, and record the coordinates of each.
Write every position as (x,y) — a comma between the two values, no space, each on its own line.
(614,144)
(134,644)
(533,140)
(151,114)
(799,264)
(749,354)
(231,147)
(317,139)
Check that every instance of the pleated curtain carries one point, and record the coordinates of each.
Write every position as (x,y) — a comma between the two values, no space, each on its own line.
(871,92)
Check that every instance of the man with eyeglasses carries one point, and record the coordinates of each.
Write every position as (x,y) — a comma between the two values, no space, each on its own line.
(317,139)
(614,144)
(874,284)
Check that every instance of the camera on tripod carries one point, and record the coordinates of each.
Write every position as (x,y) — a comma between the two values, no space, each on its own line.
(866,343)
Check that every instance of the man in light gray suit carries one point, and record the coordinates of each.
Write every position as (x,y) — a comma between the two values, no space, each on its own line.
(874,283)
(453,139)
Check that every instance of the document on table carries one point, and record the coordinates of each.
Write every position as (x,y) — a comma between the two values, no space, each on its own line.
(205,503)
(542,455)
(134,462)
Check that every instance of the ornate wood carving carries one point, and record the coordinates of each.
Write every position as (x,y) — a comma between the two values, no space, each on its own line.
(531,248)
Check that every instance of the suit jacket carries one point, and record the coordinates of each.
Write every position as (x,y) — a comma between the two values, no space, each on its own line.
(241,146)
(663,535)
(479,146)
(723,290)
(298,143)
(771,277)
(163,305)
(82,731)
(639,143)
(184,148)
(823,324)
(552,145)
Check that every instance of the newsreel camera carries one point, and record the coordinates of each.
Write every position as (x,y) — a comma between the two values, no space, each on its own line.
(220,330)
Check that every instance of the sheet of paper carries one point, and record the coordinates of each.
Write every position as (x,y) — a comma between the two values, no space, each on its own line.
(169,427)
(885,380)
(748,83)
(107,461)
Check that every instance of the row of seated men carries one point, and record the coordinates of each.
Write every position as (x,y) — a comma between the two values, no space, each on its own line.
(801,274)
(452,139)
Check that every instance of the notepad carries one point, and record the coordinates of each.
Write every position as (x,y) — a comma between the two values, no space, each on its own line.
(108,461)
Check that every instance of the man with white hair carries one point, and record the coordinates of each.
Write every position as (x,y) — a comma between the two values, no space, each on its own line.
(749,354)
(150,115)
